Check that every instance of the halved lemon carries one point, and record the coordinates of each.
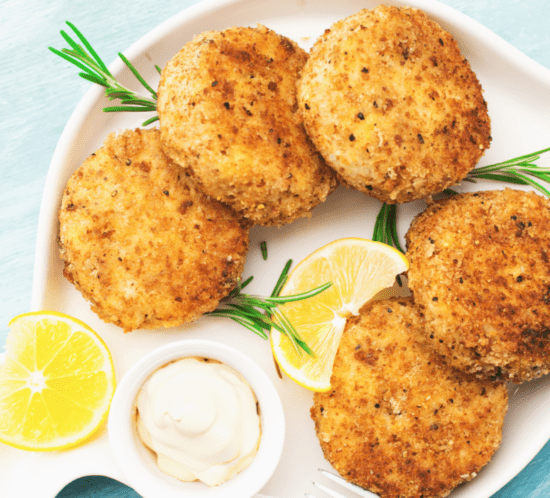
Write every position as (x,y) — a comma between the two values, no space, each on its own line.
(57,382)
(358,270)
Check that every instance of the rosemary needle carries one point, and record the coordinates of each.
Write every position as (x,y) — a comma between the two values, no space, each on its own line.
(282,279)
(263,247)
(449,192)
(94,70)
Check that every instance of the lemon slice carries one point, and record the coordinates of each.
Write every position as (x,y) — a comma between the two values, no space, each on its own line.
(358,270)
(56,384)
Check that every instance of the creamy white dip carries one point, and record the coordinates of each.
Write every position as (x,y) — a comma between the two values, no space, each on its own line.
(201,419)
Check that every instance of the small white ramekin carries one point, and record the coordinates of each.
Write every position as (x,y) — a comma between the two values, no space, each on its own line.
(137,463)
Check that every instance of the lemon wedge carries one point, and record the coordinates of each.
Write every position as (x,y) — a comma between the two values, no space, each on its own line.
(358,270)
(57,382)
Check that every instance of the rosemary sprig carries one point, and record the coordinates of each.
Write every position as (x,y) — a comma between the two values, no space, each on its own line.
(94,69)
(385,229)
(520,170)
(256,312)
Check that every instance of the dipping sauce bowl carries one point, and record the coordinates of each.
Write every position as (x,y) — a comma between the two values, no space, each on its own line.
(138,463)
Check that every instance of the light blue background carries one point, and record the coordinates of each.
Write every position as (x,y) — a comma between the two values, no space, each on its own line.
(38,94)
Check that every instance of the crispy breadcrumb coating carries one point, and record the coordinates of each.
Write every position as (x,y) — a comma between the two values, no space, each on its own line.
(140,243)
(480,270)
(392,105)
(398,420)
(228,113)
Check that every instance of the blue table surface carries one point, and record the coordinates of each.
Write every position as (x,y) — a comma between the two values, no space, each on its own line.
(38,95)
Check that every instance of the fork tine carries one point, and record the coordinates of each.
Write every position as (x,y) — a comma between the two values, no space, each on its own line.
(348,485)
(328,491)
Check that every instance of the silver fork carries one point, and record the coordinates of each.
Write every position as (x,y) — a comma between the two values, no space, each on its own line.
(339,480)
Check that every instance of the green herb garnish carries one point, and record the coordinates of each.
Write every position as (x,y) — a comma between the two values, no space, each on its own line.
(520,171)
(256,312)
(385,228)
(449,192)
(283,277)
(94,70)
(263,247)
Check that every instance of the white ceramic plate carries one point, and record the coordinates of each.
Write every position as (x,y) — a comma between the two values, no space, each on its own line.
(518,94)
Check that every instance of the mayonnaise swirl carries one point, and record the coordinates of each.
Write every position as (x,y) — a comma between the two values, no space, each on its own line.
(200,418)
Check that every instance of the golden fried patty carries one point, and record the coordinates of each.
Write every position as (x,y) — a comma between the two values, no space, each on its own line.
(398,420)
(140,243)
(392,105)
(228,112)
(480,270)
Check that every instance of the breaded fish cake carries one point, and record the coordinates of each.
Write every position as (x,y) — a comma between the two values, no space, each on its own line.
(228,113)
(392,105)
(398,420)
(140,243)
(480,271)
